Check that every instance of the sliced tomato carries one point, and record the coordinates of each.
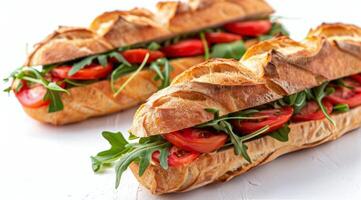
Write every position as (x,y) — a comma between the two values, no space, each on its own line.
(185,48)
(249,28)
(357,77)
(177,157)
(90,72)
(312,111)
(274,118)
(344,95)
(32,97)
(199,140)
(221,37)
(136,56)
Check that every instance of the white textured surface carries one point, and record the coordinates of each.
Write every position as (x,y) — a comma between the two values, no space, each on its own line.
(44,162)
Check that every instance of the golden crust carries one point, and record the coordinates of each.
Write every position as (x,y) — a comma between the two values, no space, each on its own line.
(121,28)
(225,165)
(97,99)
(268,71)
(199,14)
(71,42)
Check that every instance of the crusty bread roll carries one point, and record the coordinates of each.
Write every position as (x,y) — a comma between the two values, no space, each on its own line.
(267,72)
(121,28)
(114,29)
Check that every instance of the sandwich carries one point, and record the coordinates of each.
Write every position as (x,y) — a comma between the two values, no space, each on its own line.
(125,56)
(223,117)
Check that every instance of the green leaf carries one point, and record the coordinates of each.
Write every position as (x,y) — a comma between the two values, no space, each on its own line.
(144,162)
(153,46)
(132,76)
(281,134)
(103,60)
(228,50)
(162,74)
(244,152)
(122,70)
(139,152)
(55,101)
(156,68)
(8,89)
(132,137)
(55,87)
(163,159)
(342,83)
(205,45)
(341,108)
(119,57)
(319,93)
(118,146)
(81,64)
(278,28)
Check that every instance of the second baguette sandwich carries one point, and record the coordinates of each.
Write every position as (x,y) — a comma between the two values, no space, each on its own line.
(125,56)
(223,117)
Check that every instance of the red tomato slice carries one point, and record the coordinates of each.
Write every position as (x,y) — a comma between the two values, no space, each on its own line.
(185,48)
(198,140)
(136,56)
(177,157)
(275,119)
(345,96)
(249,28)
(312,111)
(221,37)
(90,72)
(357,77)
(32,97)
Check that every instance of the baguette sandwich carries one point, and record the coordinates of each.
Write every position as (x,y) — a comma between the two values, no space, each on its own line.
(223,117)
(125,56)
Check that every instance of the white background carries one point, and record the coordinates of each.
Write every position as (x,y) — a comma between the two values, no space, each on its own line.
(44,162)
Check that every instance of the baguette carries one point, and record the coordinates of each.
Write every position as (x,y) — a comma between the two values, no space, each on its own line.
(122,28)
(224,165)
(267,72)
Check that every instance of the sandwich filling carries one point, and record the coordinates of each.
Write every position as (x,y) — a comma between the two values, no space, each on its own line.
(36,87)
(234,130)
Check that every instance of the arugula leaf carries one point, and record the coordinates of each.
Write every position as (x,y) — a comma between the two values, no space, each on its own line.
(8,89)
(132,76)
(205,45)
(132,137)
(118,145)
(153,46)
(162,74)
(55,101)
(81,64)
(319,93)
(123,69)
(233,50)
(297,101)
(119,57)
(342,83)
(32,75)
(103,60)
(278,28)
(341,108)
(281,134)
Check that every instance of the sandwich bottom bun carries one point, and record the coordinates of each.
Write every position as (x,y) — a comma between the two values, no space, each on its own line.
(224,165)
